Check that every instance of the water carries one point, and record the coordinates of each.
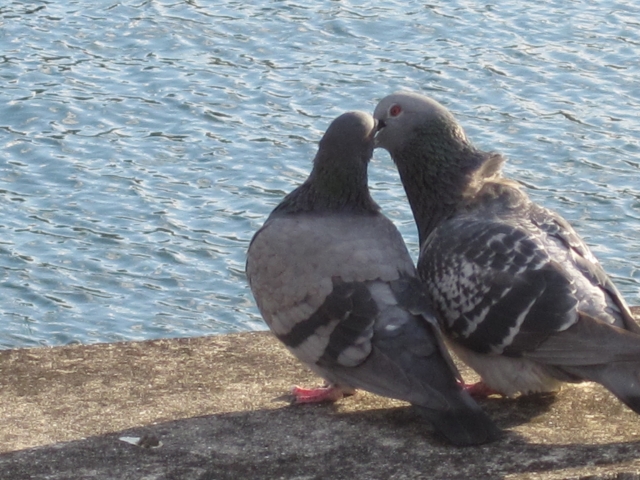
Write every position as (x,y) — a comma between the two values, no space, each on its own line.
(143,142)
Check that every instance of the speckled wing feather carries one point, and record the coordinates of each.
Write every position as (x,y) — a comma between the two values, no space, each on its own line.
(494,285)
(557,228)
(505,281)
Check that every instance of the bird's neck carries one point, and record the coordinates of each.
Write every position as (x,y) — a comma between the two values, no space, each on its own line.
(331,191)
(440,184)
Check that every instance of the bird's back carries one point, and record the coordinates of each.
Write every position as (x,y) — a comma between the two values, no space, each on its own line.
(293,259)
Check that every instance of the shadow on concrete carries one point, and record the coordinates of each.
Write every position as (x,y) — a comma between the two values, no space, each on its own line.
(209,401)
(318,442)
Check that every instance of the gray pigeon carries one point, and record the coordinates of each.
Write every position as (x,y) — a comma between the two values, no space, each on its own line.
(335,283)
(517,292)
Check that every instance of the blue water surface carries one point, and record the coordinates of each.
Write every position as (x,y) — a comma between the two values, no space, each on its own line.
(143,142)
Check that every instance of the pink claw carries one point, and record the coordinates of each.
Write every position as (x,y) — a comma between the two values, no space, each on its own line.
(478,390)
(316,395)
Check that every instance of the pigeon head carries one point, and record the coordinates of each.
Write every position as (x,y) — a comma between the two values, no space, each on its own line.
(405,118)
(347,145)
(438,165)
(338,180)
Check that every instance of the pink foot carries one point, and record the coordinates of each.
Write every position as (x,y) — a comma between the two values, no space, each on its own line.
(478,390)
(317,395)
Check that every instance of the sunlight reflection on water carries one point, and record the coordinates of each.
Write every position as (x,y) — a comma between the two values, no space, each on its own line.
(145,142)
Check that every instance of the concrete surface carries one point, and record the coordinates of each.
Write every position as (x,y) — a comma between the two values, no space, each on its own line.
(213,404)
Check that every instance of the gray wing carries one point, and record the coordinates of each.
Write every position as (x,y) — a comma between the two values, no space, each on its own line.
(558,228)
(343,325)
(346,299)
(312,279)
(405,357)
(506,285)
(496,289)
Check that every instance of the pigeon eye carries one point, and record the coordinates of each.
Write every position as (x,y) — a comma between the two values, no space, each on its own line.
(395,110)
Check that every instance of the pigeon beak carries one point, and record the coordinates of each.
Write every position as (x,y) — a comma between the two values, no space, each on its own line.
(379,126)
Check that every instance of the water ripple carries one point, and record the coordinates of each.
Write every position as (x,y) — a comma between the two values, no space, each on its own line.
(144,142)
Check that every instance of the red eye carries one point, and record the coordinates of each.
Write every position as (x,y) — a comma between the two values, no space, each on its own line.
(395,110)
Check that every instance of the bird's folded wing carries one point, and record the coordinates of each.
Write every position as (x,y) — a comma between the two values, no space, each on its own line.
(339,332)
(309,277)
(558,228)
(381,346)
(351,308)
(588,342)
(495,289)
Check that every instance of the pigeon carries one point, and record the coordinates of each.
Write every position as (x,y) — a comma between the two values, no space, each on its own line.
(518,294)
(335,283)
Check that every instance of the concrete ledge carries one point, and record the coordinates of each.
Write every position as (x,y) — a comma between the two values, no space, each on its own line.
(210,401)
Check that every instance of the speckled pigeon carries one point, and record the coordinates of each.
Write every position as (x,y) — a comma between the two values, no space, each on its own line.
(335,283)
(517,292)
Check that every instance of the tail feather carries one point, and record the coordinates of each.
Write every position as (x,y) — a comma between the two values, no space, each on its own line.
(427,382)
(620,378)
(464,425)
(599,352)
(409,361)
